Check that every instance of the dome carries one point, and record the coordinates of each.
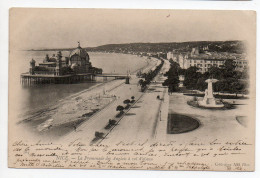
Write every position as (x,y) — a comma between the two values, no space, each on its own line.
(80,52)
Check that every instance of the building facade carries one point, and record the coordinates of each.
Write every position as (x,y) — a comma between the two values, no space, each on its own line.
(241,64)
(205,60)
(204,64)
(78,62)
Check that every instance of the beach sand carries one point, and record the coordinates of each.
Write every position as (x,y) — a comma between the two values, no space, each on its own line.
(70,113)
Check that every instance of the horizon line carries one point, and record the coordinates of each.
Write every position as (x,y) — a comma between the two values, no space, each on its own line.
(45,48)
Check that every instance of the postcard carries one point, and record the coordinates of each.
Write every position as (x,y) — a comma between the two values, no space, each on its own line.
(132,89)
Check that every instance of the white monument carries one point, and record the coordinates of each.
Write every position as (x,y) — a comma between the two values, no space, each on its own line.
(209,99)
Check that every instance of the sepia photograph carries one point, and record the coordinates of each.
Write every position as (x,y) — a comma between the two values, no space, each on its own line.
(132,89)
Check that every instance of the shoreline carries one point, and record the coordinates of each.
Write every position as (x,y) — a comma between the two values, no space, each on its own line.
(75,121)
(103,83)
(93,90)
(94,85)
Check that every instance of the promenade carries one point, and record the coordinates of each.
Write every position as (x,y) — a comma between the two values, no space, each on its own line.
(139,123)
(86,131)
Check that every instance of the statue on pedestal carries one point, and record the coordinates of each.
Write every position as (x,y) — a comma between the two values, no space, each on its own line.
(209,99)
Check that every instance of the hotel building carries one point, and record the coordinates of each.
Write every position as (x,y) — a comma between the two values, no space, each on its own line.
(204,61)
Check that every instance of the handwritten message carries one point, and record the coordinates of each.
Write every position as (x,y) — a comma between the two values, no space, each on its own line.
(154,156)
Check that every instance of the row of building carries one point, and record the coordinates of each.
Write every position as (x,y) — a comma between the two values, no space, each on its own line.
(204,61)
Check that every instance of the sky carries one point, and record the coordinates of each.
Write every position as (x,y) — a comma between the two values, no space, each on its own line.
(63,28)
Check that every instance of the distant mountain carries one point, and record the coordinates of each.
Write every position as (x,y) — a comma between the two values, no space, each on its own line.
(217,46)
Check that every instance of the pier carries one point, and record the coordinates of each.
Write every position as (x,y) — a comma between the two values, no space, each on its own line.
(29,79)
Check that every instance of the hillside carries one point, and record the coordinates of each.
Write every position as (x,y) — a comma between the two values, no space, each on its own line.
(216,46)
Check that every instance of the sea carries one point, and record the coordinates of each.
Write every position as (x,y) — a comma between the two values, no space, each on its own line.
(36,97)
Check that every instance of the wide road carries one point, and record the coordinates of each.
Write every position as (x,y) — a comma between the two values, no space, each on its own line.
(86,131)
(140,123)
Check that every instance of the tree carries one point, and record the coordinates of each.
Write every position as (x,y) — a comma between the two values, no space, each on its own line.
(215,73)
(132,99)
(111,122)
(172,75)
(172,83)
(148,77)
(229,65)
(236,87)
(231,79)
(120,108)
(244,74)
(201,84)
(99,134)
(141,82)
(191,77)
(127,101)
(229,69)
(219,86)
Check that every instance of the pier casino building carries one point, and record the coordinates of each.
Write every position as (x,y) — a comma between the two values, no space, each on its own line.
(78,62)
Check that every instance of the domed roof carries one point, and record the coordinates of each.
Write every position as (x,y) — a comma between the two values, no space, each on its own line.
(79,51)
